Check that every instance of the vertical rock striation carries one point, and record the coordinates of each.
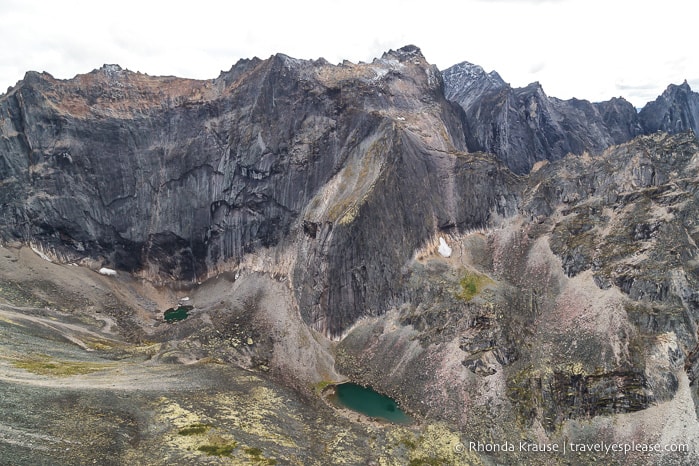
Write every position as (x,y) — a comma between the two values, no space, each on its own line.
(523,125)
(675,111)
(174,178)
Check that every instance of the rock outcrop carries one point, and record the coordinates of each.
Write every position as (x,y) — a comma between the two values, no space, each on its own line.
(626,221)
(675,111)
(523,125)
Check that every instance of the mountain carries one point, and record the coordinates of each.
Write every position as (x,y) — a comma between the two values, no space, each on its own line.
(426,234)
(524,125)
(465,83)
(171,178)
(676,110)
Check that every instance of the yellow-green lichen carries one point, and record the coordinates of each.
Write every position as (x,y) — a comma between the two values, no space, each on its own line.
(45,365)
(576,368)
(436,444)
(471,284)
(256,415)
(218,449)
(194,429)
(322,385)
(256,455)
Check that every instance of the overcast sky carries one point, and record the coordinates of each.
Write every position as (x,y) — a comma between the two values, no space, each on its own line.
(591,49)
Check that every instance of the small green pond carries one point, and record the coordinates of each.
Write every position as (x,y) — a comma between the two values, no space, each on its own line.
(369,402)
(176,314)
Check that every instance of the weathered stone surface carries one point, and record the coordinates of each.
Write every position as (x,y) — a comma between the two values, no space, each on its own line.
(524,125)
(675,111)
(172,178)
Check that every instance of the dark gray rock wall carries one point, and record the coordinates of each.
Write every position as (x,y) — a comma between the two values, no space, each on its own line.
(523,125)
(171,178)
(180,185)
(356,267)
(675,111)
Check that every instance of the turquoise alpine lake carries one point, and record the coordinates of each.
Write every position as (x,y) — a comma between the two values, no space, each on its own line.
(174,315)
(369,402)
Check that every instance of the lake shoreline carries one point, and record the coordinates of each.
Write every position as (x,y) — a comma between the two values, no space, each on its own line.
(329,394)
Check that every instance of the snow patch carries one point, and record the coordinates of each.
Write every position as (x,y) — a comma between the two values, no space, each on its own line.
(444,249)
(108,272)
(380,72)
(111,68)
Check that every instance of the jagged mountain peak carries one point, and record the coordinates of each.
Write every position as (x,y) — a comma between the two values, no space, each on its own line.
(534,87)
(524,125)
(465,78)
(467,72)
(684,86)
(676,90)
(111,68)
(289,61)
(618,100)
(675,111)
(404,59)
(112,72)
(406,52)
(33,77)
(466,82)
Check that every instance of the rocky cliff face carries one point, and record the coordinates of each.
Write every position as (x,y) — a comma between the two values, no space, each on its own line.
(625,222)
(524,125)
(173,178)
(304,161)
(676,110)
(568,320)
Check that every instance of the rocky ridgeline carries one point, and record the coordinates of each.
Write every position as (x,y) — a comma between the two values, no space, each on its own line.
(524,125)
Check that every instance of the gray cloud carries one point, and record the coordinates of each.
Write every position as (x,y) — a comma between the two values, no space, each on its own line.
(537,67)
